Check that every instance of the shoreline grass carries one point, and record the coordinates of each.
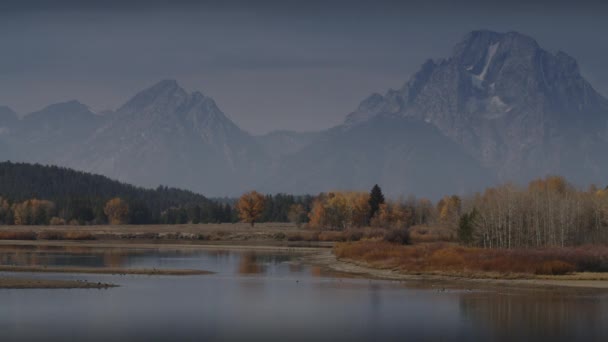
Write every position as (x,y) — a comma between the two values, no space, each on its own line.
(457,261)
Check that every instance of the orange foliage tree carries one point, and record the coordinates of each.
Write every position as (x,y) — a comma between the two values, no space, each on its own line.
(117,211)
(250,207)
(340,210)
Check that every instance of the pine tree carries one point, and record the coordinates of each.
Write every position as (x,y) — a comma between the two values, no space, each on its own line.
(376,198)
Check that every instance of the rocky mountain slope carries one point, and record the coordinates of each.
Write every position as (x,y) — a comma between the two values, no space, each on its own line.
(516,108)
(165,135)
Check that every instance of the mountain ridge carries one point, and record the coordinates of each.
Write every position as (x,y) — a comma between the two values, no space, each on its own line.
(500,107)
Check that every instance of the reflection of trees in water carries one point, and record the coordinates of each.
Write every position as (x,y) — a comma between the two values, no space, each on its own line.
(255,262)
(63,256)
(556,316)
(248,264)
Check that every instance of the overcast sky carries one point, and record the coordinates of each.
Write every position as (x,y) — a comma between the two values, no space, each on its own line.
(300,65)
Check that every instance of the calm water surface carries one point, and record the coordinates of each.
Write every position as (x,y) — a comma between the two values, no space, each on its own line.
(271,296)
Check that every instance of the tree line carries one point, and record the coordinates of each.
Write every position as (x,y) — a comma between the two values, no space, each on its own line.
(548,212)
(32,194)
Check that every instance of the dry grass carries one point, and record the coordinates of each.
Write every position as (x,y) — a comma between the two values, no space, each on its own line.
(352,234)
(420,234)
(17,235)
(263,232)
(457,260)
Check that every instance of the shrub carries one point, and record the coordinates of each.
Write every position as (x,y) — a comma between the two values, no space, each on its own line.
(400,236)
(18,236)
(554,267)
(57,221)
(451,258)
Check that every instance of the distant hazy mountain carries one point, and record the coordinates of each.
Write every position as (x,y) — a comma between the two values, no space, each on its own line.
(8,119)
(281,143)
(165,135)
(516,108)
(50,134)
(498,108)
(406,156)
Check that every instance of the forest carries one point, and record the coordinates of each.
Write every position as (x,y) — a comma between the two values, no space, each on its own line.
(34,194)
(547,212)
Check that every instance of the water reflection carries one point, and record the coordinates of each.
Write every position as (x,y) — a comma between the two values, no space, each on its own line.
(538,314)
(249,264)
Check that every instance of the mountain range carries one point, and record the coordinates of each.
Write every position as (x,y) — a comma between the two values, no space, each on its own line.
(499,108)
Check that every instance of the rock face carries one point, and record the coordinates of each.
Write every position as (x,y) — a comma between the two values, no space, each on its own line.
(516,108)
(499,108)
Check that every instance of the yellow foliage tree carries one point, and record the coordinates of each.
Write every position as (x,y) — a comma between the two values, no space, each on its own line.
(392,215)
(117,211)
(33,211)
(449,209)
(340,210)
(250,207)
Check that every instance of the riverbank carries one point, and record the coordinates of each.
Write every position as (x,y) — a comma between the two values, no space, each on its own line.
(315,254)
(584,280)
(102,270)
(23,283)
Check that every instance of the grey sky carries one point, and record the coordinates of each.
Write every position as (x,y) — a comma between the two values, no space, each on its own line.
(269,64)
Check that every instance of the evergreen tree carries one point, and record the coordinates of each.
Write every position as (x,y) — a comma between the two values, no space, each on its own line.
(376,198)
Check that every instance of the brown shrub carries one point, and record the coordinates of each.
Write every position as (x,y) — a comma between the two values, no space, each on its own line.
(57,221)
(447,258)
(451,258)
(420,234)
(331,235)
(78,236)
(400,236)
(554,267)
(18,236)
(303,236)
(50,235)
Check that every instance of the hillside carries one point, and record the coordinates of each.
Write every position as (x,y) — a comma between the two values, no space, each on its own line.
(72,191)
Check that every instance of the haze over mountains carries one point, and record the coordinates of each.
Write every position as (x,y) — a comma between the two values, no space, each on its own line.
(500,108)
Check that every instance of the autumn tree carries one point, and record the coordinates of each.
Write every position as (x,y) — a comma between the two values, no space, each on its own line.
(376,198)
(340,210)
(449,209)
(117,211)
(33,212)
(250,207)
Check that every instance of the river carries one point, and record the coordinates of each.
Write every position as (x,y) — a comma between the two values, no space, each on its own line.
(273,296)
